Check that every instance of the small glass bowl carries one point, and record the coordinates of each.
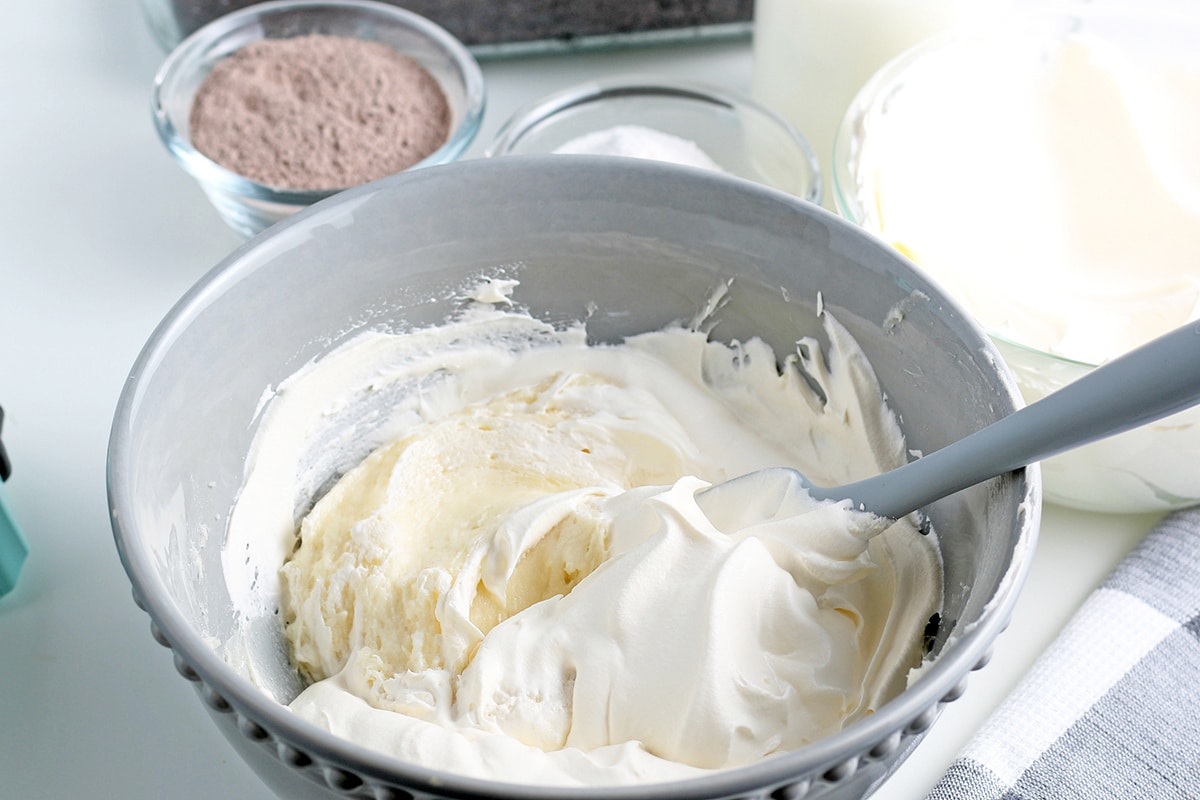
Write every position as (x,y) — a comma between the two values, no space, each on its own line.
(247,205)
(1147,469)
(743,138)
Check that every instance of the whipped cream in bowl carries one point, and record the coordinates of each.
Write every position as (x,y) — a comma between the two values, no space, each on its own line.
(523,576)
(1045,173)
(433,526)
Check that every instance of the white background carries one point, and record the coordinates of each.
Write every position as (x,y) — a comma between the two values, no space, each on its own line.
(100,233)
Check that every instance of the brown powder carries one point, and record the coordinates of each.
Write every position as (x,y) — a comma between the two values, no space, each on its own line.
(318,112)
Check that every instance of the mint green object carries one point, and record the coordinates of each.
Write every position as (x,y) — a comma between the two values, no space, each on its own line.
(13,548)
(13,551)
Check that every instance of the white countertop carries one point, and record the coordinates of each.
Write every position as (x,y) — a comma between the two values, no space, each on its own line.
(100,233)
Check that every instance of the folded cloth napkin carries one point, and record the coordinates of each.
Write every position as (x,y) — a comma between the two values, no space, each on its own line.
(1112,708)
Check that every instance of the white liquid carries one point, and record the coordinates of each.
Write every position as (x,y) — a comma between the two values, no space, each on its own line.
(812,56)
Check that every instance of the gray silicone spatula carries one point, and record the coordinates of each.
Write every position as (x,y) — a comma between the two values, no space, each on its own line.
(1146,384)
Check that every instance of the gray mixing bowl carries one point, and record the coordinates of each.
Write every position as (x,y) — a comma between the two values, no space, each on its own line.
(629,245)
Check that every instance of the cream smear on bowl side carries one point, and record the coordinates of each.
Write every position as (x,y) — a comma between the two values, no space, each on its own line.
(517,582)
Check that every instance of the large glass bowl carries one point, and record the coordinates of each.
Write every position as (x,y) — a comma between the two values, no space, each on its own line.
(247,205)
(627,245)
(1148,469)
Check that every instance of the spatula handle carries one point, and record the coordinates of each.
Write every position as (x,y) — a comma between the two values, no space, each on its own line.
(1151,382)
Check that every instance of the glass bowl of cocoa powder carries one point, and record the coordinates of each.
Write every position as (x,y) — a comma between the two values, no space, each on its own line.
(279,105)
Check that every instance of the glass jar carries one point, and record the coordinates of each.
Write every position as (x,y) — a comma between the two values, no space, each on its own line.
(812,56)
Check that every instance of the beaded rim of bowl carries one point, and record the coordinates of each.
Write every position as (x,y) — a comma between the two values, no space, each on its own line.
(813,783)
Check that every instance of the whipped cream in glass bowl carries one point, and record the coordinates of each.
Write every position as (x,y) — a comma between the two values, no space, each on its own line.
(1045,173)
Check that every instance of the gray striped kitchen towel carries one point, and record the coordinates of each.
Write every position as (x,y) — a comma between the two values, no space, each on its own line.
(1112,708)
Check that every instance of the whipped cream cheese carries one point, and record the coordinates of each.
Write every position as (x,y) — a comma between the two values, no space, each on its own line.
(517,580)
